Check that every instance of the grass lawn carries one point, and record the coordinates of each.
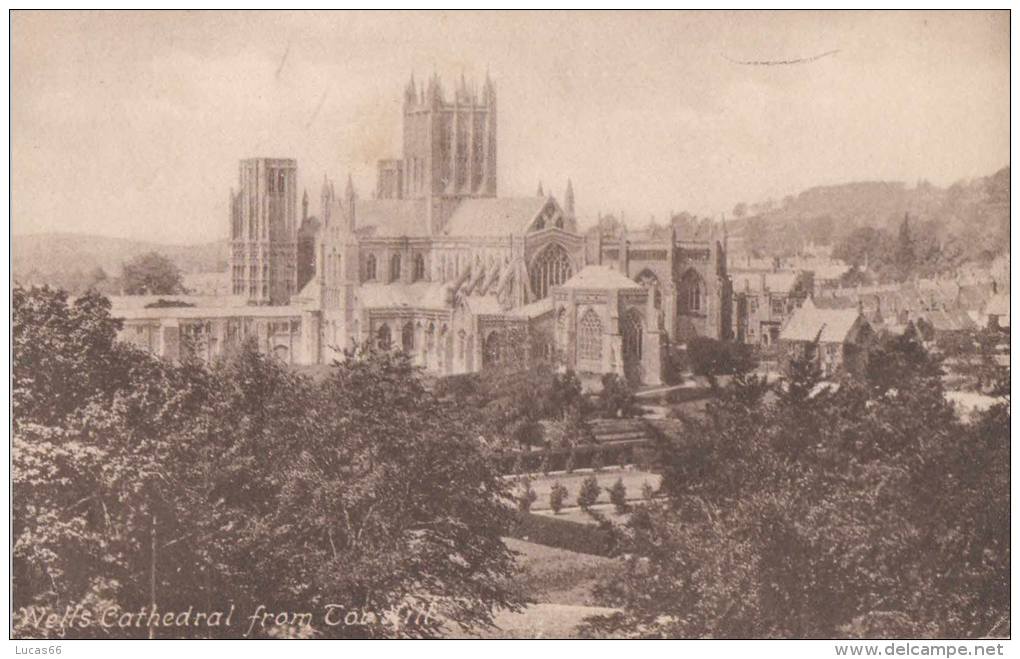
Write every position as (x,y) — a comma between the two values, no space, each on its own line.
(633,479)
(559,582)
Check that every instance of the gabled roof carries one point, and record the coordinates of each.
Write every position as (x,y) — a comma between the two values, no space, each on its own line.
(495,216)
(809,323)
(391,218)
(600,276)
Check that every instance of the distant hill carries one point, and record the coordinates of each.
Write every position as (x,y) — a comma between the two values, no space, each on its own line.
(59,258)
(975,212)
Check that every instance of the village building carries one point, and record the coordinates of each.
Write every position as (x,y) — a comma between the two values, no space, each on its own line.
(836,340)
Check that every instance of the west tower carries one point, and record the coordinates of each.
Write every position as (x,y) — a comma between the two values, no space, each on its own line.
(263,231)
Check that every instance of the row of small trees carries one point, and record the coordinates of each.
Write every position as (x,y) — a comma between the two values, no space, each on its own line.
(587,495)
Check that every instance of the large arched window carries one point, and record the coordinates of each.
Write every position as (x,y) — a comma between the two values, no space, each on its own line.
(407,337)
(633,326)
(589,336)
(419,267)
(395,267)
(550,268)
(370,267)
(383,339)
(692,292)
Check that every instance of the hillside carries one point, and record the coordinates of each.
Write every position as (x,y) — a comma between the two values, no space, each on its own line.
(55,258)
(975,212)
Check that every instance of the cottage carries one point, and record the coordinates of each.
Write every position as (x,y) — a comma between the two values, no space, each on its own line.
(836,339)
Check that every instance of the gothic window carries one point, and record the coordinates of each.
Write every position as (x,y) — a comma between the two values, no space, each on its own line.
(632,330)
(550,268)
(370,267)
(589,336)
(419,267)
(407,338)
(693,292)
(395,267)
(461,344)
(383,339)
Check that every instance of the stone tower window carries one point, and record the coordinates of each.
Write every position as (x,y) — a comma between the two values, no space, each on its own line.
(589,336)
(632,330)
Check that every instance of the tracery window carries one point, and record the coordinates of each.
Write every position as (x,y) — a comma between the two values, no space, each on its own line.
(633,327)
(370,267)
(419,267)
(550,268)
(693,292)
(589,336)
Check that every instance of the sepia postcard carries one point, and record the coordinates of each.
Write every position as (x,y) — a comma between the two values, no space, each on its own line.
(511,325)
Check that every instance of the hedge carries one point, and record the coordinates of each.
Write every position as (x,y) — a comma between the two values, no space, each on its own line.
(564,534)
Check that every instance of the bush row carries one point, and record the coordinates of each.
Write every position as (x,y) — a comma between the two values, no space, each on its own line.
(564,534)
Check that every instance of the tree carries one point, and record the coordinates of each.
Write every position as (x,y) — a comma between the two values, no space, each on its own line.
(589,493)
(867,510)
(618,496)
(151,274)
(139,480)
(710,356)
(616,399)
(557,496)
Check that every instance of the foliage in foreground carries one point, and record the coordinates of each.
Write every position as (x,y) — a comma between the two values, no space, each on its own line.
(241,484)
(867,510)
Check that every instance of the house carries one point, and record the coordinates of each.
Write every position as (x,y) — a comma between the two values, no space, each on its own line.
(838,340)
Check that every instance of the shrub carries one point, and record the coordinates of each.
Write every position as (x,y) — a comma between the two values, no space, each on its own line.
(712,357)
(616,400)
(526,497)
(544,466)
(596,460)
(618,495)
(564,534)
(647,491)
(557,497)
(570,464)
(589,493)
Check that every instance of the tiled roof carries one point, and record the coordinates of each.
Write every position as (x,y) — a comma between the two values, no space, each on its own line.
(810,323)
(600,276)
(494,216)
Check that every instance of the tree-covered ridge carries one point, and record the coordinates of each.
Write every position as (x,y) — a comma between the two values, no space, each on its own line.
(805,511)
(969,220)
(140,480)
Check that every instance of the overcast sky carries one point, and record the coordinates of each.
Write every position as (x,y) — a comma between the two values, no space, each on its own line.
(131,125)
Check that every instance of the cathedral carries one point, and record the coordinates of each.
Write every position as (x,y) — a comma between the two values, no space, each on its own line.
(435,263)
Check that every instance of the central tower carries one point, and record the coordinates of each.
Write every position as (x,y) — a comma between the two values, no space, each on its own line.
(449,145)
